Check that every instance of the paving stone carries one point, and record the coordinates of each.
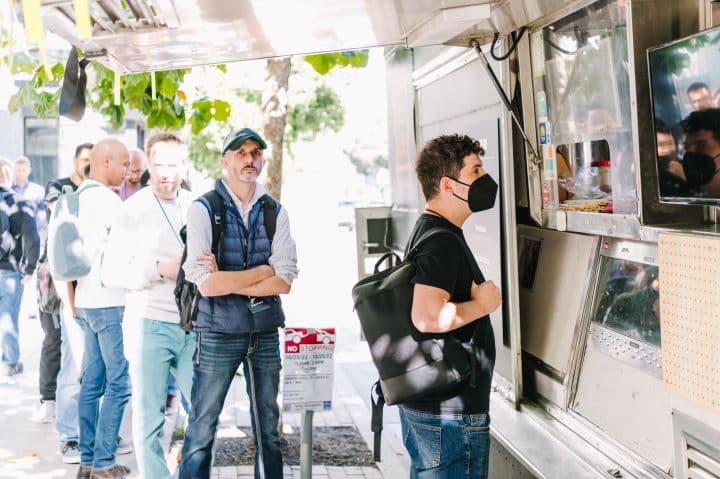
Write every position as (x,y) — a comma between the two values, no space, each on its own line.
(229,472)
(245,470)
(372,473)
(336,472)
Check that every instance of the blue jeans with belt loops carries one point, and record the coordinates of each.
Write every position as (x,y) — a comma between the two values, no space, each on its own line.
(446,446)
(217,357)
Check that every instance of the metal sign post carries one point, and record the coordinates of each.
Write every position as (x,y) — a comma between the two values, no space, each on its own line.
(308,381)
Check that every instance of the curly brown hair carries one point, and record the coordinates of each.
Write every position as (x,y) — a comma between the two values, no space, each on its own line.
(443,156)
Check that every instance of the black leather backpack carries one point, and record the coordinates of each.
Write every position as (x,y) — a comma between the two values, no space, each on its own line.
(410,364)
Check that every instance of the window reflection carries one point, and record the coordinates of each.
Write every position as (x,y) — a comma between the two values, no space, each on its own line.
(628,299)
(582,94)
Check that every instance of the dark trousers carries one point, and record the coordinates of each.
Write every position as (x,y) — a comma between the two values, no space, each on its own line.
(49,355)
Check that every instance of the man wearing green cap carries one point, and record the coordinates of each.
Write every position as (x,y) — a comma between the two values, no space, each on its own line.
(240,311)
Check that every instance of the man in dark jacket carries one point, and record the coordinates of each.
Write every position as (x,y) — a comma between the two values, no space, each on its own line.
(18,256)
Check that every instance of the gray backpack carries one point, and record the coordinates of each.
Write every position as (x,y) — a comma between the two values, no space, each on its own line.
(67,257)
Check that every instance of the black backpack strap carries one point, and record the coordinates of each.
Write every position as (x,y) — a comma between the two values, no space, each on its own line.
(271,208)
(377,400)
(217,217)
(477,276)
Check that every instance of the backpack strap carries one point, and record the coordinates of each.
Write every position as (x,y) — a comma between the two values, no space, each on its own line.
(217,217)
(377,399)
(271,208)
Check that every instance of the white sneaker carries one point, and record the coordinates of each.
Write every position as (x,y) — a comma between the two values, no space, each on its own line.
(70,452)
(46,413)
(124,446)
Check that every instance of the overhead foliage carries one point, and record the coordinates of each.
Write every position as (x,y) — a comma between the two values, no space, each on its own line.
(324,62)
(167,111)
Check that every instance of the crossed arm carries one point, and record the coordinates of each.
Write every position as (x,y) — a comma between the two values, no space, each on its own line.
(259,281)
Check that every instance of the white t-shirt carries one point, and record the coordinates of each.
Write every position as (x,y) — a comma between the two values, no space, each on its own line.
(99,207)
(146,232)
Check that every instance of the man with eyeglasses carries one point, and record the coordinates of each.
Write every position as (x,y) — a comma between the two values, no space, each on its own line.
(240,311)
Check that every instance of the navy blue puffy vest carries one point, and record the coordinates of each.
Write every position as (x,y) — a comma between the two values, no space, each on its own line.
(240,248)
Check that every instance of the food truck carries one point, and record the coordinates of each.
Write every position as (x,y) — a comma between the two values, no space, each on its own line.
(598,119)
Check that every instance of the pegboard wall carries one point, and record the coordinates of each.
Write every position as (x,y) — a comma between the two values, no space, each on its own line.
(690,316)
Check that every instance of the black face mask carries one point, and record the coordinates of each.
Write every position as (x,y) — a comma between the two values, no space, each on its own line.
(699,168)
(481,193)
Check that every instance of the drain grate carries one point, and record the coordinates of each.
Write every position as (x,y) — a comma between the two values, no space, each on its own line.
(332,446)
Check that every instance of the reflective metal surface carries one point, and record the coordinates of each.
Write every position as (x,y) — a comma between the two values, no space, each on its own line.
(619,386)
(639,355)
(139,35)
(556,271)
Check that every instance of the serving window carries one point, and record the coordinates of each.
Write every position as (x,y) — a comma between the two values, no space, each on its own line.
(582,95)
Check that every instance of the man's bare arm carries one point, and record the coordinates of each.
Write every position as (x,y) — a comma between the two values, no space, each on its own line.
(221,283)
(433,312)
(267,287)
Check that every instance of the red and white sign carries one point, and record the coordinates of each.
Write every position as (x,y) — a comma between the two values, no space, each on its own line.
(308,369)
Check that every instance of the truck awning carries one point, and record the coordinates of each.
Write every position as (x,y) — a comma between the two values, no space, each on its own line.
(143,35)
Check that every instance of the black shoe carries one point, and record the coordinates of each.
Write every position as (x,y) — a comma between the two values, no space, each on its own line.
(70,452)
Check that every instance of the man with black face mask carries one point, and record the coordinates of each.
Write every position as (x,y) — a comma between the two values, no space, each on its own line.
(701,162)
(448,303)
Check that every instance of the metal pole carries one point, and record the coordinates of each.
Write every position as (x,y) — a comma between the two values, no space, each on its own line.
(504,99)
(306,446)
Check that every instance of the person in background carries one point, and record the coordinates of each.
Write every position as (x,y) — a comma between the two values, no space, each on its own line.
(151,222)
(20,251)
(100,311)
(132,183)
(671,176)
(72,344)
(701,161)
(699,96)
(30,191)
(50,312)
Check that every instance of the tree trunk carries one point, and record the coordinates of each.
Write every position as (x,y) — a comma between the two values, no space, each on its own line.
(274,111)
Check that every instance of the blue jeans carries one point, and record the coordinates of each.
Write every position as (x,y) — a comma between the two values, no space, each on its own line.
(164,347)
(11,291)
(217,357)
(105,374)
(72,349)
(446,446)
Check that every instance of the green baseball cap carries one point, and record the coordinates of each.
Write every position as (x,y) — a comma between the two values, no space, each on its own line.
(236,138)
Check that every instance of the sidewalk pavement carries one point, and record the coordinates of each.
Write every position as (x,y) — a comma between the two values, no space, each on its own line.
(354,374)
(29,450)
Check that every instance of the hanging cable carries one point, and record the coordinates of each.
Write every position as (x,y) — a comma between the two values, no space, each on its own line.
(513,46)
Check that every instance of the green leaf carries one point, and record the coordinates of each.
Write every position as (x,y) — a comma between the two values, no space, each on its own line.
(322,63)
(222,68)
(115,114)
(135,88)
(58,71)
(168,87)
(21,98)
(222,110)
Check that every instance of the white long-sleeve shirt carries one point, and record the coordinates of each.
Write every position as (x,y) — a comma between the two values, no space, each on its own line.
(283,254)
(98,208)
(146,232)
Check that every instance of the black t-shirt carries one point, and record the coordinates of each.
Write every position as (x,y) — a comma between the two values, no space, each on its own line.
(442,263)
